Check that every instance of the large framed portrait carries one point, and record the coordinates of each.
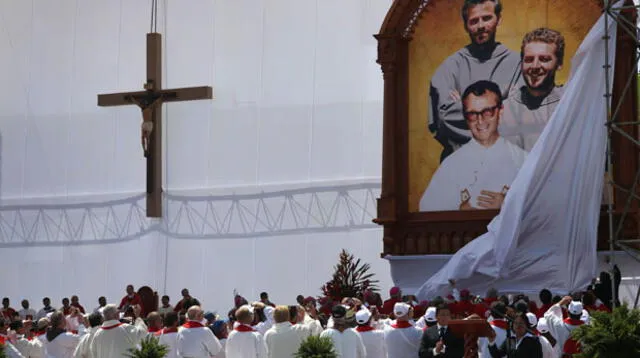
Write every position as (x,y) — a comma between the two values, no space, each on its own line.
(469,88)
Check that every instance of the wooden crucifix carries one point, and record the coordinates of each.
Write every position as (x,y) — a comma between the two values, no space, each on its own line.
(150,102)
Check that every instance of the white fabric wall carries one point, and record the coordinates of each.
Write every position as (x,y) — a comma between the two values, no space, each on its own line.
(285,160)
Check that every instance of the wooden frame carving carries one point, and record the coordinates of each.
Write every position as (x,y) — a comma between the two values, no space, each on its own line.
(418,233)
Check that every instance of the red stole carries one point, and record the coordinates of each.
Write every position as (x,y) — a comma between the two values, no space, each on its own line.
(111,327)
(2,339)
(499,323)
(573,322)
(244,328)
(192,324)
(154,330)
(364,329)
(166,330)
(401,324)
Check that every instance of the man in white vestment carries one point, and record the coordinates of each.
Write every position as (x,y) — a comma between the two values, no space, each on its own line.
(83,348)
(59,342)
(166,307)
(25,312)
(114,338)
(195,340)
(482,59)
(28,348)
(402,338)
(528,109)
(44,311)
(169,334)
(347,341)
(311,317)
(561,328)
(478,175)
(500,326)
(428,319)
(547,349)
(373,339)
(281,340)
(102,301)
(244,341)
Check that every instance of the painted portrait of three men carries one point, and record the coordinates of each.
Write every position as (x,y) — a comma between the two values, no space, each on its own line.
(485,77)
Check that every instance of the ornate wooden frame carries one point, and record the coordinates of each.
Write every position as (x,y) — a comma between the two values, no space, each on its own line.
(417,233)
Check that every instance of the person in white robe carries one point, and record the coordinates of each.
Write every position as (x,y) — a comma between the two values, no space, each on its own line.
(528,109)
(561,328)
(169,334)
(499,325)
(114,338)
(59,342)
(483,59)
(428,319)
(28,348)
(194,339)
(102,302)
(373,339)
(244,341)
(165,307)
(281,340)
(47,309)
(547,349)
(83,348)
(41,331)
(220,329)
(26,311)
(347,342)
(262,326)
(311,318)
(478,175)
(11,351)
(402,338)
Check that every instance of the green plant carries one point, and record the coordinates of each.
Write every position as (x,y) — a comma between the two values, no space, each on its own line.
(615,334)
(351,278)
(3,353)
(150,347)
(316,347)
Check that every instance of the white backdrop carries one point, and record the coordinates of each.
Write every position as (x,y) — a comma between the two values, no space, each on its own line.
(266,183)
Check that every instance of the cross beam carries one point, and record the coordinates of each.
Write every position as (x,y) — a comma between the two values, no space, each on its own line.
(150,102)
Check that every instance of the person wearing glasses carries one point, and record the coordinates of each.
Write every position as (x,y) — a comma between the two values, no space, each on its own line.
(478,175)
(483,58)
(529,108)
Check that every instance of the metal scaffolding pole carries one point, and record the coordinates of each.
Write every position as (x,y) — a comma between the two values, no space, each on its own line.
(615,124)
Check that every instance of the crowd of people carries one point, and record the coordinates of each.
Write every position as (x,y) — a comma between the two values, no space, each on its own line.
(359,327)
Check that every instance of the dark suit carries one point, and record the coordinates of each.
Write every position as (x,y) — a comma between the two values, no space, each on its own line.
(431,336)
(529,348)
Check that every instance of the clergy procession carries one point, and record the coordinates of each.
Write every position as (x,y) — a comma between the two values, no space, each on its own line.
(358,327)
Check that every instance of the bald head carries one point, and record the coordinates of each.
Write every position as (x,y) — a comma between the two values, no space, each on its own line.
(194,313)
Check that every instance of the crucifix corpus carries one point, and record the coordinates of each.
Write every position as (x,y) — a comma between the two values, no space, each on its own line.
(150,102)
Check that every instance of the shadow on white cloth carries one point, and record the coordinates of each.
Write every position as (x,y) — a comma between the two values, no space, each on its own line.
(546,232)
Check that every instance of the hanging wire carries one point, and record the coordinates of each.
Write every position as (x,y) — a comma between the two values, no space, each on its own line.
(154,16)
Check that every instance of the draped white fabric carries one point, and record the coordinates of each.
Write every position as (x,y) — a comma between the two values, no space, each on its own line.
(546,232)
(266,183)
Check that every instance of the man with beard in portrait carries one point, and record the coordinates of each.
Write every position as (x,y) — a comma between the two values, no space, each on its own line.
(482,59)
(528,109)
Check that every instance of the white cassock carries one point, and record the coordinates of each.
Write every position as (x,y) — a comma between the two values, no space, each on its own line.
(83,348)
(560,328)
(11,351)
(348,343)
(113,339)
(373,340)
(169,337)
(313,324)
(547,349)
(282,341)
(62,346)
(402,340)
(473,168)
(500,328)
(29,349)
(223,344)
(197,341)
(245,342)
(27,312)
